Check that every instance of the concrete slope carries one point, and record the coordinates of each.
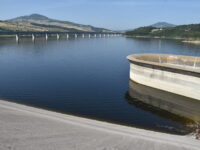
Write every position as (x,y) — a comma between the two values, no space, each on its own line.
(27,128)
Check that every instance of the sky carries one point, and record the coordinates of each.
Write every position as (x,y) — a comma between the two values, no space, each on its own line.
(111,14)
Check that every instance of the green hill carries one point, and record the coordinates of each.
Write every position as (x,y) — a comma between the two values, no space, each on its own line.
(40,23)
(191,31)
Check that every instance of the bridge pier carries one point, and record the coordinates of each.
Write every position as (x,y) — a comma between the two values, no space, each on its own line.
(67,36)
(46,37)
(58,36)
(83,35)
(75,35)
(89,35)
(95,35)
(99,35)
(17,38)
(33,38)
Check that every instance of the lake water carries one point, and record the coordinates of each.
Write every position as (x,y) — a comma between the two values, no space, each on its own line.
(85,77)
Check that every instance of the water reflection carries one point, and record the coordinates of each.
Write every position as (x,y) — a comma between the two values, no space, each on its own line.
(84,77)
(168,105)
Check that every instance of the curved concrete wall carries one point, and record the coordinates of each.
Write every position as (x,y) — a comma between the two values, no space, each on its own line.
(173,103)
(172,73)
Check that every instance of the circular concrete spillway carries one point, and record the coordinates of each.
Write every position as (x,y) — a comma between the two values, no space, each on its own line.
(173,73)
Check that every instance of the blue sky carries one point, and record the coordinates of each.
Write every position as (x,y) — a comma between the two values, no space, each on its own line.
(112,14)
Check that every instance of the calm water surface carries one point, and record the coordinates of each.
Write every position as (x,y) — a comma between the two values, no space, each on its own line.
(84,77)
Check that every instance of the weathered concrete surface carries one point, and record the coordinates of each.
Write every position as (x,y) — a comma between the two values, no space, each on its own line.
(172,73)
(27,128)
(179,62)
(173,103)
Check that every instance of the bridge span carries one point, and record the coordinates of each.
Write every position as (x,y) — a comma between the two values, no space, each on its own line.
(58,35)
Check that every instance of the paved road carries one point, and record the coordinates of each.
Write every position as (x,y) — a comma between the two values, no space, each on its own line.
(28,128)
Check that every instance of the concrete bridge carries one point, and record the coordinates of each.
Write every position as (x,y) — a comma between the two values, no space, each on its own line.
(58,35)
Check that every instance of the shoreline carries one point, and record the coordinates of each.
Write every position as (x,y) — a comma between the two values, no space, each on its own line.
(82,133)
(192,42)
(184,40)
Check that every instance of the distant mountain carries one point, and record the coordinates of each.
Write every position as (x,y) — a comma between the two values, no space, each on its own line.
(30,17)
(162,25)
(40,23)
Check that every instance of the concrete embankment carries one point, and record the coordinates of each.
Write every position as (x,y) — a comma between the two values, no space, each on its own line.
(27,128)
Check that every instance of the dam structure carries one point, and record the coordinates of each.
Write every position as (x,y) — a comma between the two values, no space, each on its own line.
(172,73)
(177,105)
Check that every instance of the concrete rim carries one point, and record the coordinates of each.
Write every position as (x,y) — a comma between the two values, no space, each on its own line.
(135,58)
